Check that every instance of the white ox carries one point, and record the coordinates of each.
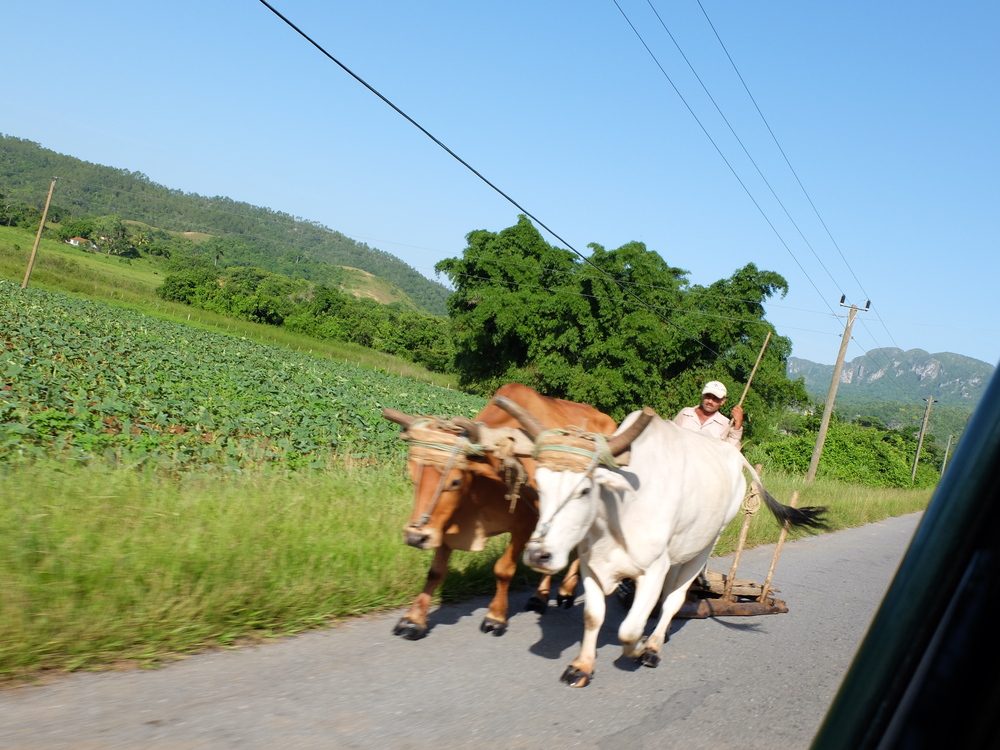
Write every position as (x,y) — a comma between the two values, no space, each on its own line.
(655,522)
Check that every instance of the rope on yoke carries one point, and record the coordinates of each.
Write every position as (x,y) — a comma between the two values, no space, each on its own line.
(574,450)
(437,443)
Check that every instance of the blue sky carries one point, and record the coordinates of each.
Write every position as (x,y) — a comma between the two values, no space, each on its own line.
(888,113)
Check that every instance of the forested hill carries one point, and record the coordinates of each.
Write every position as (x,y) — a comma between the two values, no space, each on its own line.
(891,374)
(261,237)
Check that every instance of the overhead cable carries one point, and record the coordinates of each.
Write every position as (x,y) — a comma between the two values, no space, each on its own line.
(465,163)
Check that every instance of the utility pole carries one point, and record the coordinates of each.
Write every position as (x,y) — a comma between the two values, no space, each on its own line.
(828,409)
(38,237)
(946,451)
(920,440)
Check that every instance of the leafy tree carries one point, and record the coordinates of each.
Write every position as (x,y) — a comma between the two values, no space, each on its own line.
(257,295)
(112,236)
(184,287)
(621,331)
(141,239)
(512,290)
(56,214)
(77,228)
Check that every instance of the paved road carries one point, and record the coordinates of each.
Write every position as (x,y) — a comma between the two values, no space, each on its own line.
(733,683)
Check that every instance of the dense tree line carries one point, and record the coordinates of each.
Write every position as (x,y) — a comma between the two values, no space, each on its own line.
(622,331)
(301,306)
(274,239)
(862,450)
(897,415)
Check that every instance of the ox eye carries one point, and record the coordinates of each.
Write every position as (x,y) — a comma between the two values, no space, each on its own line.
(455,484)
(585,491)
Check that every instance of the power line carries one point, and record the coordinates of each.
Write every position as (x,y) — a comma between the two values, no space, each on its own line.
(736,136)
(795,175)
(742,145)
(721,154)
(462,161)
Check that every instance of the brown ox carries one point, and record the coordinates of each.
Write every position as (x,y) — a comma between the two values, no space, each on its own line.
(461,499)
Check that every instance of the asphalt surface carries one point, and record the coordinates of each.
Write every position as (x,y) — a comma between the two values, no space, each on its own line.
(738,683)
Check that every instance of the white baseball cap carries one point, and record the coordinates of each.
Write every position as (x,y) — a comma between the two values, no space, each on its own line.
(715,388)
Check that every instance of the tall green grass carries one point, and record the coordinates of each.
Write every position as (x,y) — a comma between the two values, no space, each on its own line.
(101,566)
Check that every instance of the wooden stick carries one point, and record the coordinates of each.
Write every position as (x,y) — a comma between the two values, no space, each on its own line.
(746,390)
(777,551)
(748,510)
(754,370)
(727,592)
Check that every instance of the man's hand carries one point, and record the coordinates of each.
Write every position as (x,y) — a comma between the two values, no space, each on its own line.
(737,417)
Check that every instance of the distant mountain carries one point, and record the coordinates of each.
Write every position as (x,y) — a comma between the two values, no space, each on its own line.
(272,240)
(891,374)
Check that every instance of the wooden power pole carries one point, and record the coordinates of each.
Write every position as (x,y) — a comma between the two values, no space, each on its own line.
(38,237)
(828,409)
(920,440)
(947,449)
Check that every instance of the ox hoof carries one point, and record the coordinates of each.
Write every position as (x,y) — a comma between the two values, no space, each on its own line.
(409,630)
(493,626)
(535,604)
(649,658)
(565,601)
(576,677)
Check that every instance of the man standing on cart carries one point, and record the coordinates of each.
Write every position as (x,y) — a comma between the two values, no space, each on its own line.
(706,418)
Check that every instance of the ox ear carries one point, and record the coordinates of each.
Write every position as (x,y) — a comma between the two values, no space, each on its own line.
(613,480)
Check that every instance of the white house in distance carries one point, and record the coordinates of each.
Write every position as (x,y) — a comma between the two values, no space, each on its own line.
(76,241)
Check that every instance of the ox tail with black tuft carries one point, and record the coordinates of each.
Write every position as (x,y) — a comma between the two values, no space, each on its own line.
(810,518)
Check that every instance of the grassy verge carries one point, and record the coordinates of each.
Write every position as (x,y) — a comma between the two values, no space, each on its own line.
(102,567)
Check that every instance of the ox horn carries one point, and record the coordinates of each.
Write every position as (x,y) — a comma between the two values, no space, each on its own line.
(471,428)
(528,421)
(403,420)
(620,442)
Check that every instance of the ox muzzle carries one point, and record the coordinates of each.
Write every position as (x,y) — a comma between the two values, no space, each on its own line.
(537,556)
(419,536)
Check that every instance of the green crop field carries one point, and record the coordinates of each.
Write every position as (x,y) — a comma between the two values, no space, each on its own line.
(84,380)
